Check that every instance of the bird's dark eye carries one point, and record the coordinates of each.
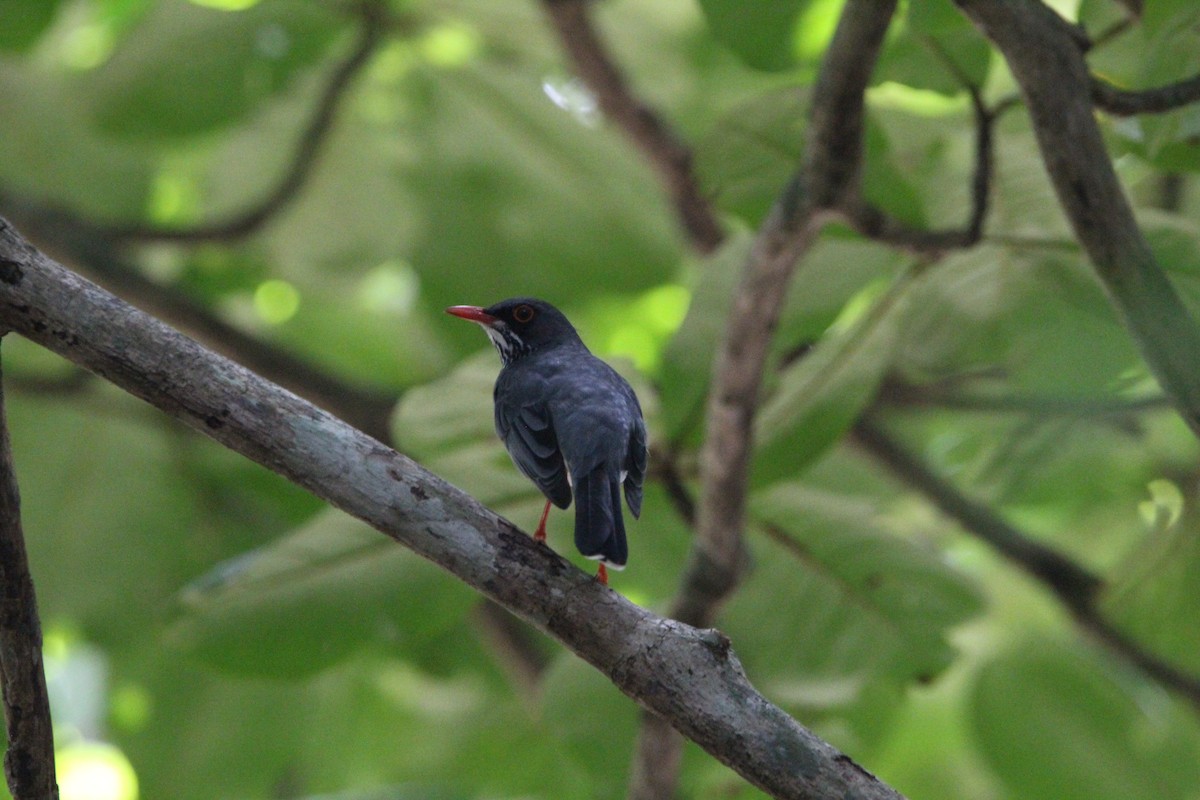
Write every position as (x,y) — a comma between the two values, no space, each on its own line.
(523,314)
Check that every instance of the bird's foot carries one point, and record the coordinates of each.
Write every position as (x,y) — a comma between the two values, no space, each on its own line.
(602,575)
(539,535)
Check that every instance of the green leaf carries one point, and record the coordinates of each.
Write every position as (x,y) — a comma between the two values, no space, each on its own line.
(819,396)
(1050,722)
(750,153)
(107,558)
(592,721)
(840,614)
(22,22)
(935,45)
(835,270)
(762,34)
(451,412)
(884,184)
(315,596)
(1040,318)
(905,595)
(495,171)
(687,362)
(185,69)
(51,152)
(1153,594)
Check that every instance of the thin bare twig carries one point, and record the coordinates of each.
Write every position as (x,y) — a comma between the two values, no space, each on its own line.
(671,159)
(29,761)
(876,224)
(372,15)
(664,468)
(1076,588)
(1125,103)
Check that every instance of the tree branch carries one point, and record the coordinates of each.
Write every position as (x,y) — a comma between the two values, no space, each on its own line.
(687,675)
(1076,588)
(669,157)
(1125,103)
(897,392)
(876,224)
(372,16)
(830,169)
(828,175)
(1046,57)
(29,761)
(367,408)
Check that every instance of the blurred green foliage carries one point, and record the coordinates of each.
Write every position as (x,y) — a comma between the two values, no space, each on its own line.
(232,638)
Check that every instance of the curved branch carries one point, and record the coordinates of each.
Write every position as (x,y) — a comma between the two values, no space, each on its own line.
(671,159)
(830,171)
(828,175)
(1076,588)
(876,224)
(304,160)
(1046,57)
(1126,103)
(29,760)
(689,676)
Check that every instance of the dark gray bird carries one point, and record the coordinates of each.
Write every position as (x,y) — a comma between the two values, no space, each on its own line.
(568,420)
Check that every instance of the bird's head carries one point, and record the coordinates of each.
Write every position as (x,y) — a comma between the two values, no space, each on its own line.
(519,325)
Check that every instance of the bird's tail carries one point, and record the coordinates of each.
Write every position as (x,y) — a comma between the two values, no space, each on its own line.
(599,526)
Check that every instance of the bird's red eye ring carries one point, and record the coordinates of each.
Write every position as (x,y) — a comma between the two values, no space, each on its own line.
(523,314)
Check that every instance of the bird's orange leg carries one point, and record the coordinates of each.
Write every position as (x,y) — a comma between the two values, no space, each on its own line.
(602,575)
(540,534)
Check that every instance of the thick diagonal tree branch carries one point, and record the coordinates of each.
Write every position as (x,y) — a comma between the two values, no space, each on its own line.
(689,676)
(1076,588)
(1046,57)
(669,157)
(29,760)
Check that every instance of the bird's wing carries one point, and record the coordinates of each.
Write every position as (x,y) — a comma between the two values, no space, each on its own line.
(635,466)
(529,438)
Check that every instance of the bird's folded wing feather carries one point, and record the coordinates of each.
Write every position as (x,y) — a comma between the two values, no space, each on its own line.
(530,440)
(635,467)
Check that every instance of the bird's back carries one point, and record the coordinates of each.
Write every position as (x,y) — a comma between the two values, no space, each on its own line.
(597,422)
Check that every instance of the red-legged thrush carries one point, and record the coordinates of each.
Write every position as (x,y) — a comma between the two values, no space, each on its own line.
(568,420)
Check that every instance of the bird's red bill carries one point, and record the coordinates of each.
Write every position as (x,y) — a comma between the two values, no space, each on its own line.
(472,313)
